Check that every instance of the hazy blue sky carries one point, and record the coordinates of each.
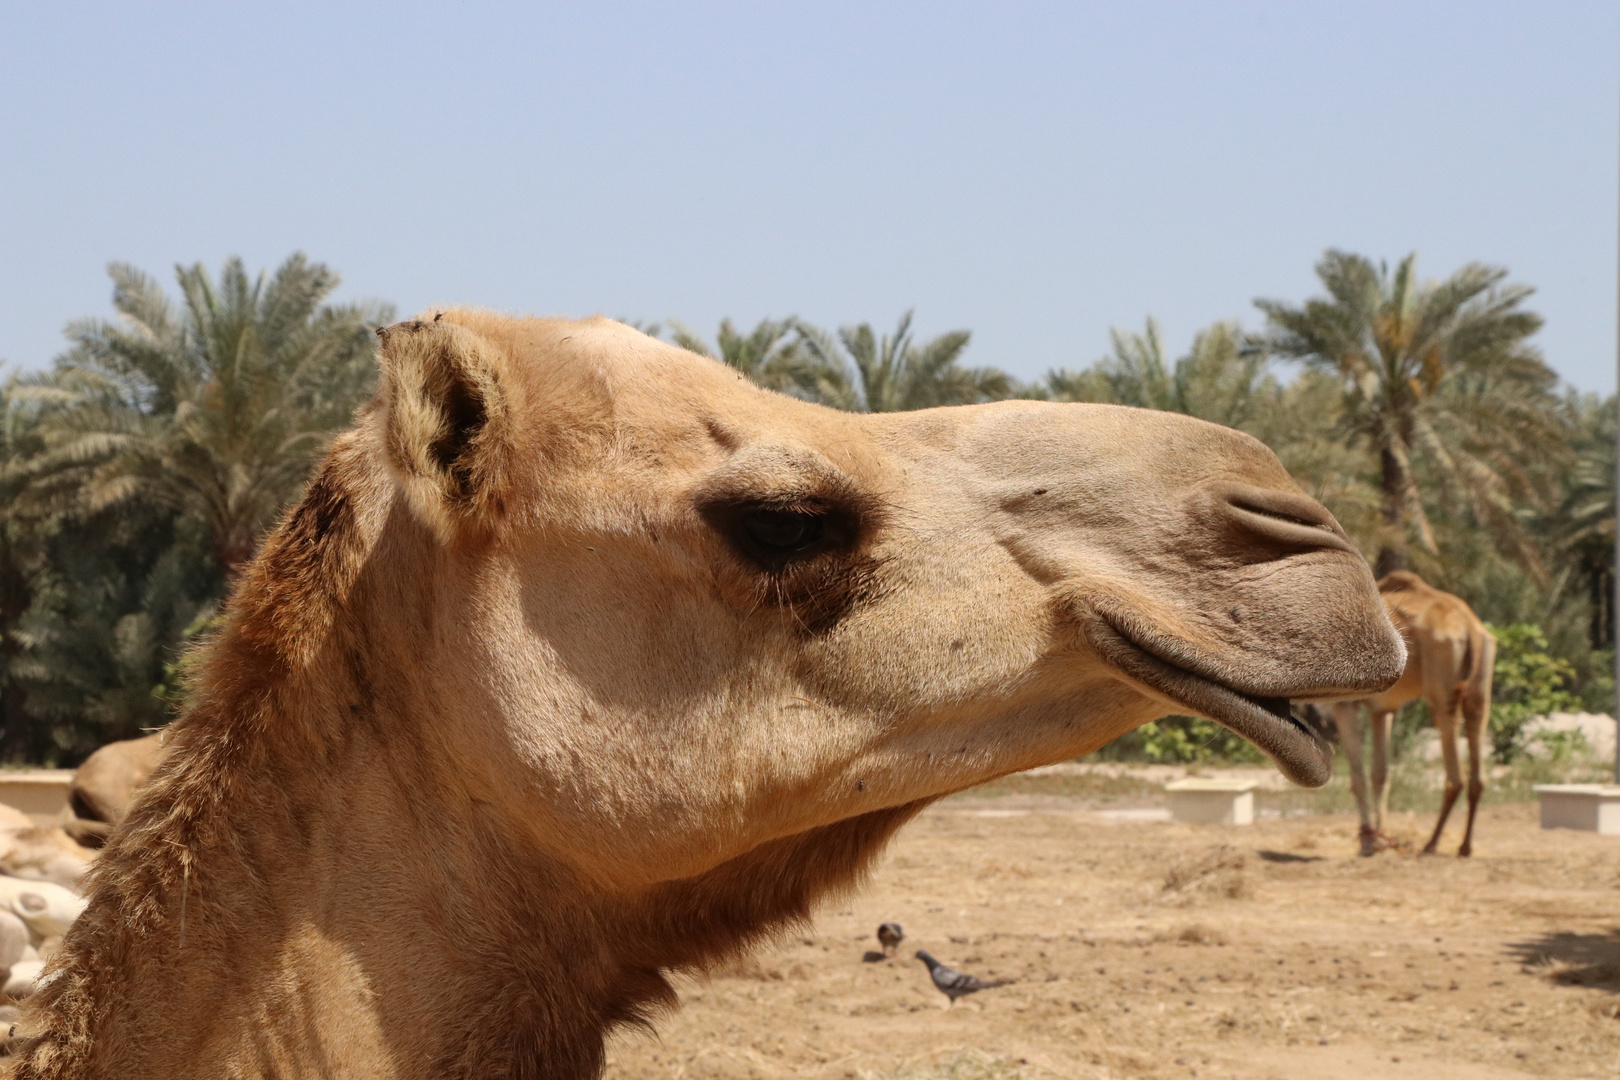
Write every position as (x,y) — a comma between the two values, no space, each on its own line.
(1037,173)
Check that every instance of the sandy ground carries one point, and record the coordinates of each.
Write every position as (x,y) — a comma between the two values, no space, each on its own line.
(1152,949)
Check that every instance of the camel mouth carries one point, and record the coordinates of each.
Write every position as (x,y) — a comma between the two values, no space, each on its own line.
(1273,724)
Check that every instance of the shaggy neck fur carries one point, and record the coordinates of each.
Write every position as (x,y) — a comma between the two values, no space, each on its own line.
(302,892)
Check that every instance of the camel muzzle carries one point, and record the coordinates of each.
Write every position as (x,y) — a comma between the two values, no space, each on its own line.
(1269,722)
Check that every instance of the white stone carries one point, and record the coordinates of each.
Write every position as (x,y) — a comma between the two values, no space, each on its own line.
(1201,801)
(1590,807)
(1597,729)
(14,943)
(47,908)
(43,854)
(24,976)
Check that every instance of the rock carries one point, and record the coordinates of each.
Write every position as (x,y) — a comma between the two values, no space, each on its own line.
(13,940)
(46,907)
(1594,730)
(44,854)
(12,818)
(24,976)
(105,785)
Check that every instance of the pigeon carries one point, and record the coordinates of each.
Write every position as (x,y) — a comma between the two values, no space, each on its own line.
(890,936)
(953,984)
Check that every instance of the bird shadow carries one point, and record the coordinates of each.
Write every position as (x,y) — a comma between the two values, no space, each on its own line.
(1286,857)
(1571,959)
(873,957)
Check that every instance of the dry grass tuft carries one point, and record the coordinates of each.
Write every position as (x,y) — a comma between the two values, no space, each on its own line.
(1194,934)
(752,969)
(1220,872)
(967,1065)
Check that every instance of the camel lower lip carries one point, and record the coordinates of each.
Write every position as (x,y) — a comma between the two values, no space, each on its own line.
(1267,722)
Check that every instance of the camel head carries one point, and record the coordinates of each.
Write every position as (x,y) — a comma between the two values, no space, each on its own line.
(583,659)
(660,616)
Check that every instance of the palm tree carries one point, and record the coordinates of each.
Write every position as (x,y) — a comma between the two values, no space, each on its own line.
(772,355)
(92,604)
(1584,524)
(1440,382)
(19,546)
(860,372)
(214,410)
(1133,374)
(1220,379)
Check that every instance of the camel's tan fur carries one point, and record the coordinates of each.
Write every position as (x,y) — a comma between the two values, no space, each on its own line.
(511,714)
(1450,658)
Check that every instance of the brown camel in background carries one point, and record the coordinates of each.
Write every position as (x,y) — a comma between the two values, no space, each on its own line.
(104,786)
(583,659)
(1450,658)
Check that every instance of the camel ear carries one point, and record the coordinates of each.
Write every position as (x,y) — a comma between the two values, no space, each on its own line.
(445,422)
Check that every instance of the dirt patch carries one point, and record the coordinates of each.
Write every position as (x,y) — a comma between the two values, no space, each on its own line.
(1149,949)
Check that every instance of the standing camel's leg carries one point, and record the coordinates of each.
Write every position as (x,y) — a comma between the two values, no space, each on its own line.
(1474,729)
(1381,722)
(1445,720)
(1347,715)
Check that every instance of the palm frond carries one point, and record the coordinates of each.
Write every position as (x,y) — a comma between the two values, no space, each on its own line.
(1439,371)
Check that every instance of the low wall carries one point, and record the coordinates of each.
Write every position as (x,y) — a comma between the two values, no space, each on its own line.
(42,794)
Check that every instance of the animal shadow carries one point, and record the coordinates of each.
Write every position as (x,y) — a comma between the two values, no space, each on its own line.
(1571,959)
(871,957)
(1286,857)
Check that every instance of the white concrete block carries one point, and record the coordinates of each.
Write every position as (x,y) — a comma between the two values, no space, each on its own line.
(42,794)
(1590,807)
(1211,802)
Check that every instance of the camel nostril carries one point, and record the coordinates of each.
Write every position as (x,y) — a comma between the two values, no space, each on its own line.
(1285,522)
(1278,516)
(1282,506)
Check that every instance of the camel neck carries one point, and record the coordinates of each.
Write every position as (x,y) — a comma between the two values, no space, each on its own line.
(384,926)
(402,935)
(303,890)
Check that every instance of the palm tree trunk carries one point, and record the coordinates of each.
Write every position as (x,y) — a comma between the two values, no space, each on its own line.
(1600,594)
(1392,537)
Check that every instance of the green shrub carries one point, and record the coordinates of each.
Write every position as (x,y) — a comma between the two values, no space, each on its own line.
(1529,683)
(1177,740)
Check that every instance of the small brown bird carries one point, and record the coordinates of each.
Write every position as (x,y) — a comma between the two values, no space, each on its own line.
(890,936)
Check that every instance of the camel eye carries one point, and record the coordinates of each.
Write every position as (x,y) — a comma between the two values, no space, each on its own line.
(789,533)
(782,532)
